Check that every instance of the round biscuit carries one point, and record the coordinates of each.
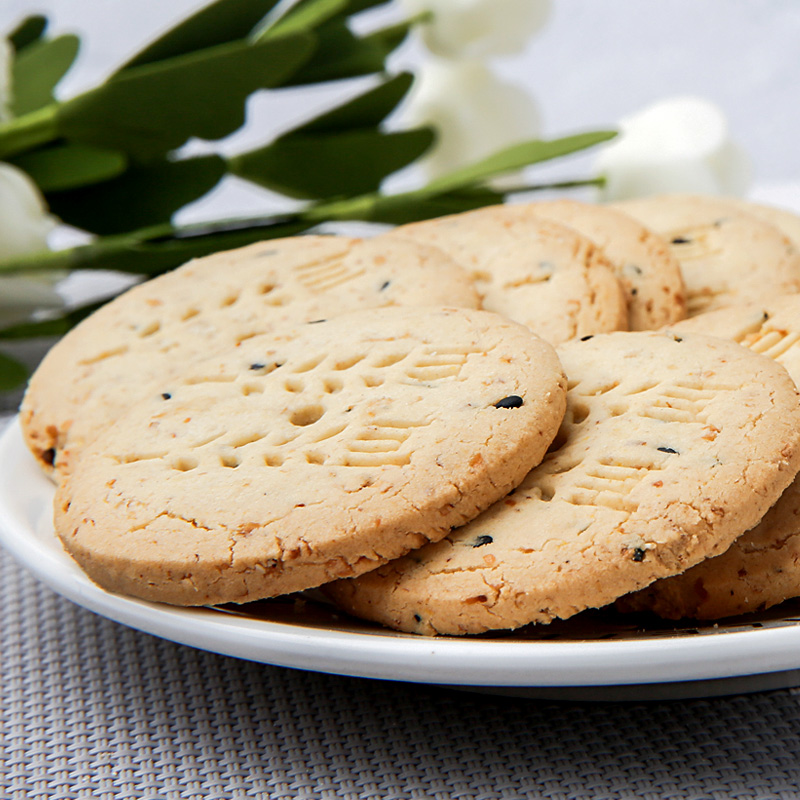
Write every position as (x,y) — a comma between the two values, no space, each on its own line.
(671,447)
(727,255)
(317,453)
(648,271)
(762,567)
(210,304)
(533,270)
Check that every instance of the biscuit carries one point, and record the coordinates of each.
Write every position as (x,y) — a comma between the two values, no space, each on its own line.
(648,271)
(762,567)
(727,256)
(532,270)
(671,447)
(788,222)
(208,305)
(313,454)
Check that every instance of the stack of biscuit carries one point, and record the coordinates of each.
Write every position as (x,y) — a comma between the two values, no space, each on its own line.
(472,423)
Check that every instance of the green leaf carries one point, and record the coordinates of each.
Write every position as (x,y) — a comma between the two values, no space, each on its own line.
(461,190)
(12,373)
(401,208)
(305,15)
(30,30)
(310,14)
(341,54)
(516,157)
(37,69)
(389,39)
(339,153)
(149,110)
(217,23)
(364,111)
(140,197)
(388,209)
(356,6)
(343,164)
(68,166)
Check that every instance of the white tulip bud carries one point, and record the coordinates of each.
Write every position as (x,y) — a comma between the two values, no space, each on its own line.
(479,28)
(474,112)
(24,227)
(680,144)
(24,220)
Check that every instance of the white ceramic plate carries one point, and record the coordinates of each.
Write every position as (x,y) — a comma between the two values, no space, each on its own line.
(597,655)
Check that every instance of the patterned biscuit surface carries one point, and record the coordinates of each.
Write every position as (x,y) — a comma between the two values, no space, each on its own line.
(535,271)
(644,264)
(315,454)
(208,305)
(727,255)
(671,447)
(762,567)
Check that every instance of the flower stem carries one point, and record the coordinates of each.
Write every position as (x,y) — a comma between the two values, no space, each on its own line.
(541,187)
(41,261)
(28,131)
(151,250)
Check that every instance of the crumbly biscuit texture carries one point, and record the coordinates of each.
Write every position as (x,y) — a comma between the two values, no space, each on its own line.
(311,455)
(762,567)
(727,256)
(758,571)
(644,264)
(209,305)
(671,447)
(536,271)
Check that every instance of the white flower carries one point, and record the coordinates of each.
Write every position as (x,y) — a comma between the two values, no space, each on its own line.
(474,112)
(24,220)
(6,54)
(479,28)
(681,144)
(24,227)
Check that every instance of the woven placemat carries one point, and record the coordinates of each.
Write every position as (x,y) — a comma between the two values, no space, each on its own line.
(92,709)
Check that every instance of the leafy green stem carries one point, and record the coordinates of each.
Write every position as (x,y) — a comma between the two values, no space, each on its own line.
(29,131)
(579,183)
(154,249)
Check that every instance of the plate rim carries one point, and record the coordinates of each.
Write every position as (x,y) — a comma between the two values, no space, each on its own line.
(455,661)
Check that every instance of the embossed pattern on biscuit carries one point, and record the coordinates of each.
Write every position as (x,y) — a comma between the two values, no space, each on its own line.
(727,255)
(322,276)
(310,430)
(214,303)
(670,448)
(311,455)
(770,328)
(760,569)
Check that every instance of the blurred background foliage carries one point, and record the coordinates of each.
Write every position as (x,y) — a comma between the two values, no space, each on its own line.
(110,162)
